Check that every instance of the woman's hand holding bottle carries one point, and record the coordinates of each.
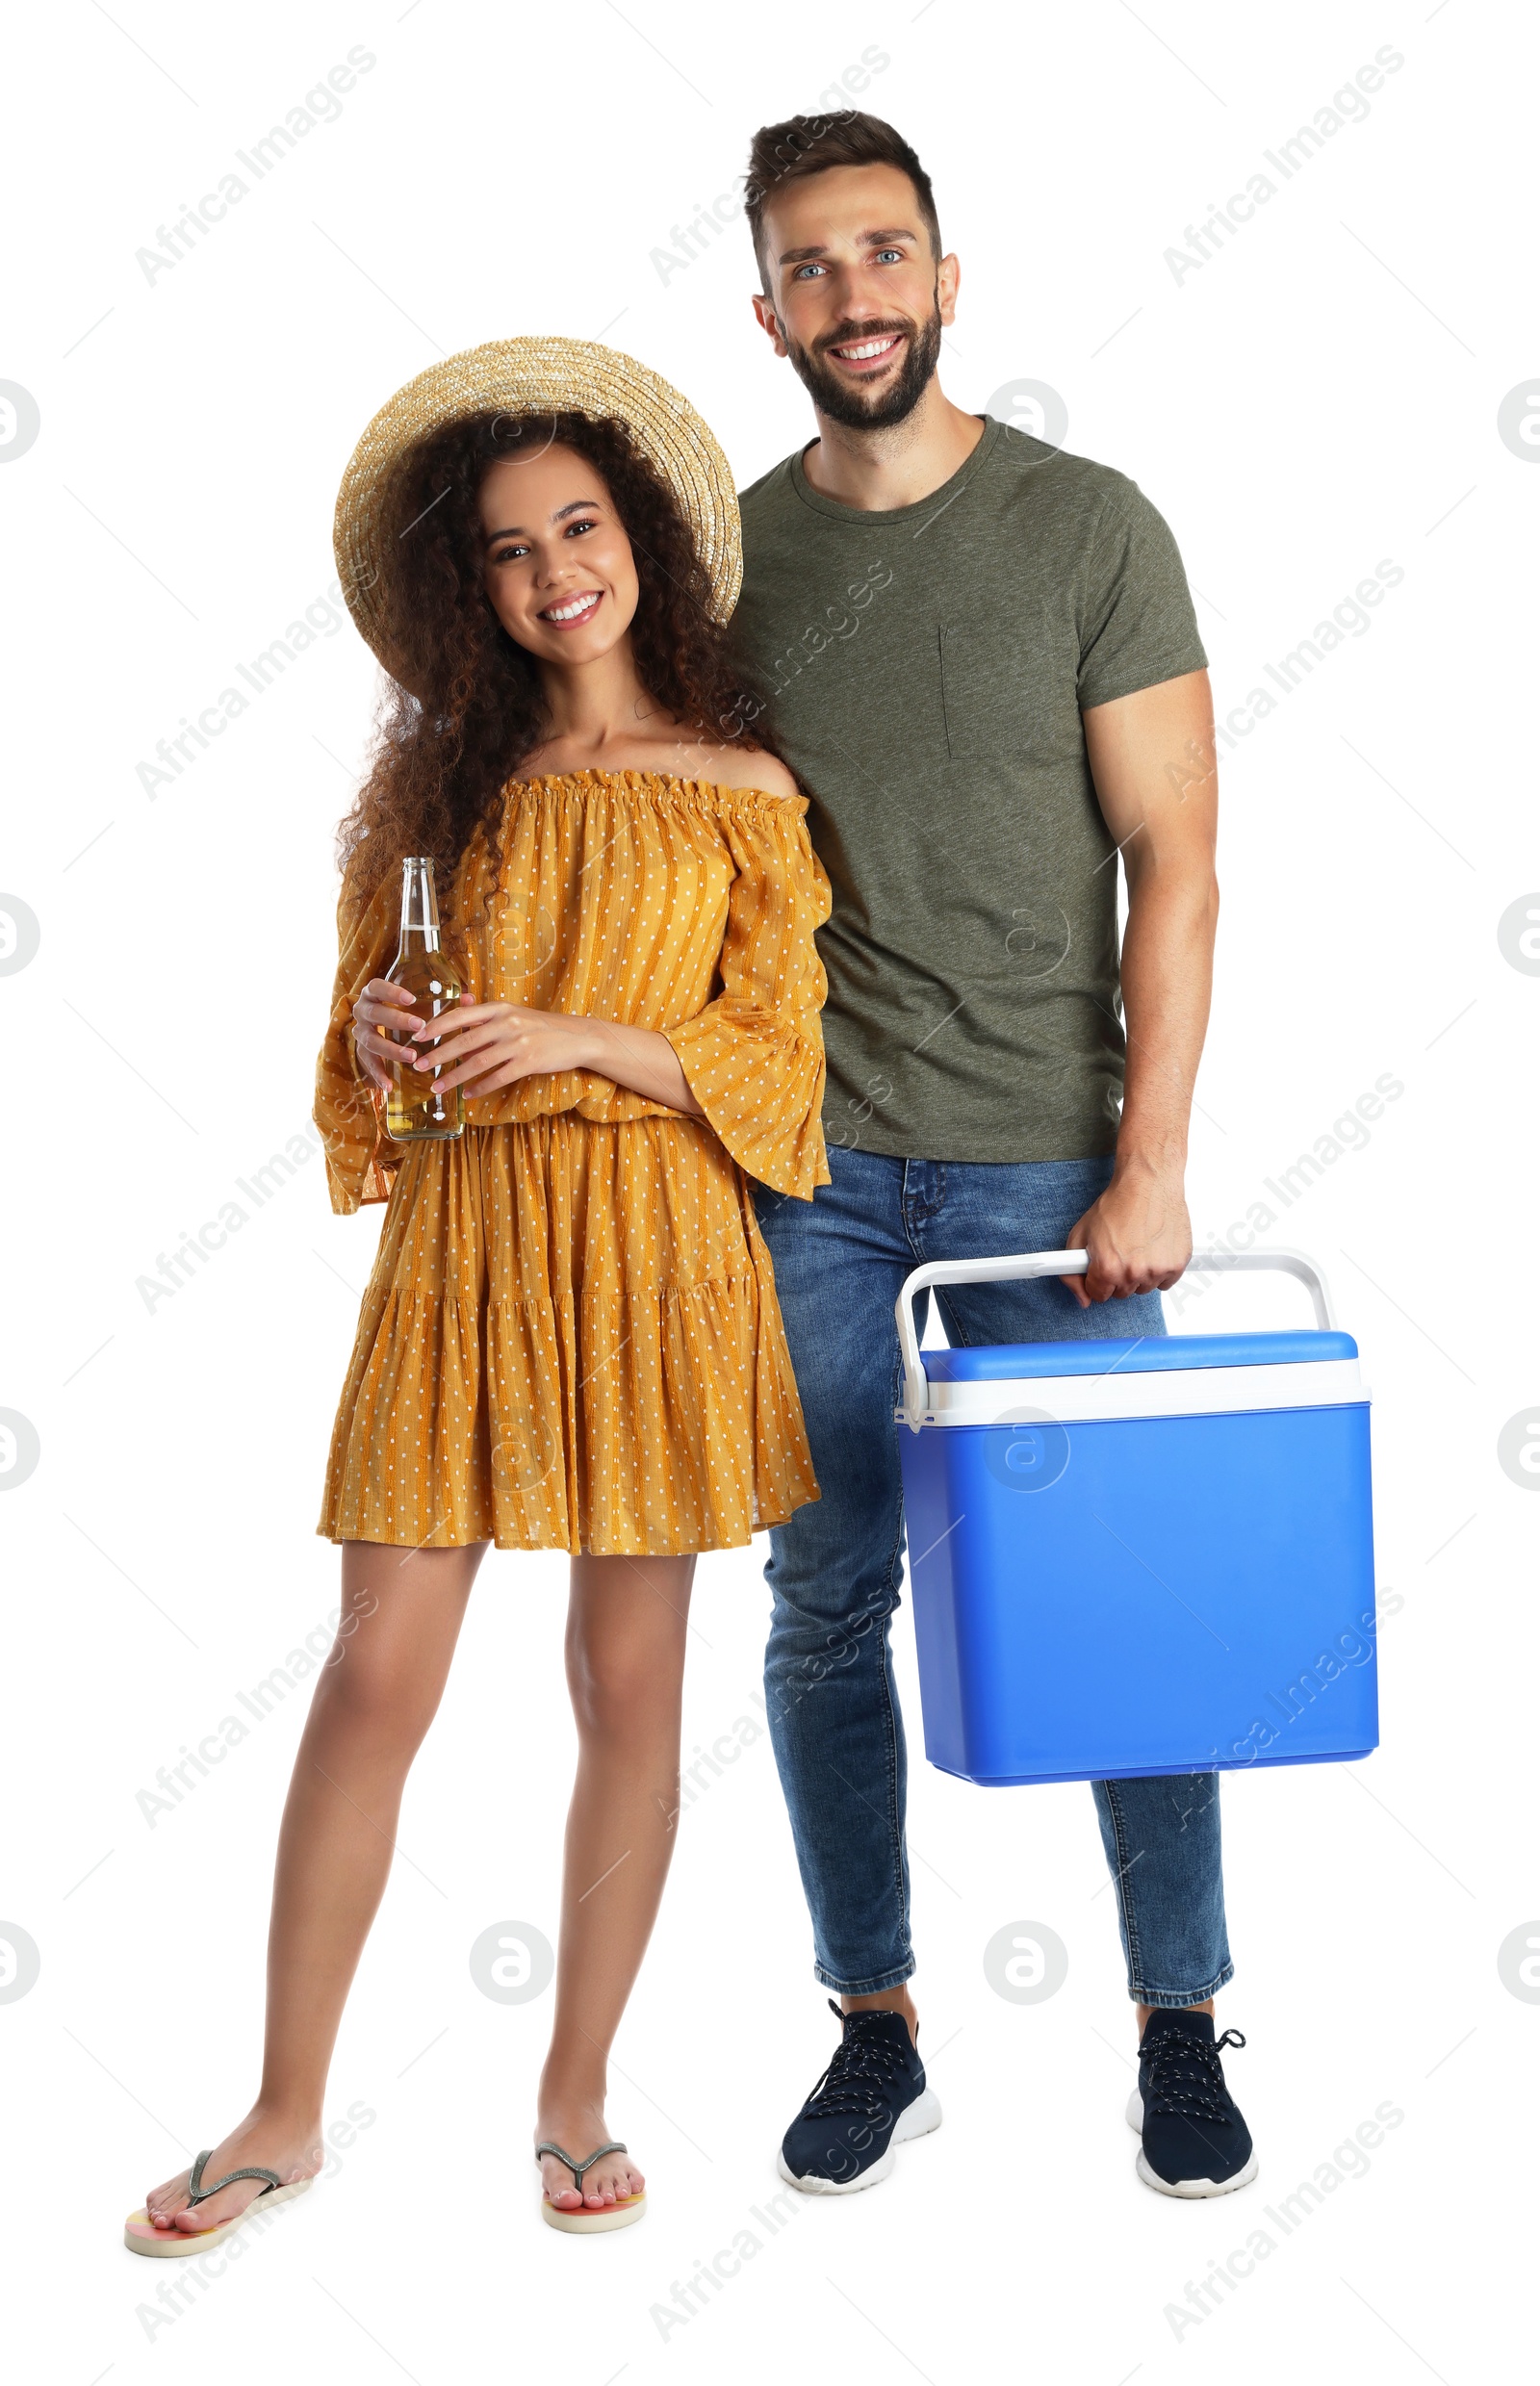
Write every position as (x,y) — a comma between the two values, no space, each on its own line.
(380,1004)
(495,1044)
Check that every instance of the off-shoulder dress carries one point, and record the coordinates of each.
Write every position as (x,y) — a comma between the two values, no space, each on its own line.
(571,1338)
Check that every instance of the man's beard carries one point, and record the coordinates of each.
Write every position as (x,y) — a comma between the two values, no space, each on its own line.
(842,403)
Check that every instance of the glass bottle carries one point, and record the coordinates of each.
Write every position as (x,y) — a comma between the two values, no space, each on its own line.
(415,1110)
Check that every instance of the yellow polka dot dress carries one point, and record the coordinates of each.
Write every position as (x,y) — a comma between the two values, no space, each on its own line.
(571,1338)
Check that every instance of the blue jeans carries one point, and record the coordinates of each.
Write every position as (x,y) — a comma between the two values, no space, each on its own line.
(835,1568)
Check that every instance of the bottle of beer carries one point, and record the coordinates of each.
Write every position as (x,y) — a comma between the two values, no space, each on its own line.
(415,1110)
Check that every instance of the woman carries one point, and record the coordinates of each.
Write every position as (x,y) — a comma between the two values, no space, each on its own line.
(571,1338)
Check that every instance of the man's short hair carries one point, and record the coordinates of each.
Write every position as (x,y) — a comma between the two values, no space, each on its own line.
(804,145)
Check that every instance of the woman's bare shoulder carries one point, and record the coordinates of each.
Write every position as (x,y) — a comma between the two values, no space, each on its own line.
(733,766)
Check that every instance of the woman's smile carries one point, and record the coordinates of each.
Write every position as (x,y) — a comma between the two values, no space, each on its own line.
(572,612)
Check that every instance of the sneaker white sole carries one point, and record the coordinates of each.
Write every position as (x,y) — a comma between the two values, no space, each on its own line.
(917,2120)
(1135,2118)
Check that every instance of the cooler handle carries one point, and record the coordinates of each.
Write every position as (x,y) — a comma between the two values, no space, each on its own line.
(916,1389)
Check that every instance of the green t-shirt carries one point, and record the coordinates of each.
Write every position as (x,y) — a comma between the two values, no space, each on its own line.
(927,669)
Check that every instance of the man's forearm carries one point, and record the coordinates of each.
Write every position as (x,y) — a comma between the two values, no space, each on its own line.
(1161,812)
(1167,973)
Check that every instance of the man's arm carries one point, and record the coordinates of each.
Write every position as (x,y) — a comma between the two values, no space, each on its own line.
(1152,758)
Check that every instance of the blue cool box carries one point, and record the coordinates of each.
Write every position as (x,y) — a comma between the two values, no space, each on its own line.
(1141,1557)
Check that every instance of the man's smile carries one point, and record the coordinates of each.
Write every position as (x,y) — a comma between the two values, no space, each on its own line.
(868,354)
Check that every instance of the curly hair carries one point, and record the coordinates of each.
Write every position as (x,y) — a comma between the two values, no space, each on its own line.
(447,745)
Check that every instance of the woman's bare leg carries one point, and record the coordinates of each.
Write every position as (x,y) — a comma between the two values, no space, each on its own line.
(625,1633)
(378,1691)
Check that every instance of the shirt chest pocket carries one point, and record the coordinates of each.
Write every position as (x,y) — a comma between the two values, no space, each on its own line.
(1007,694)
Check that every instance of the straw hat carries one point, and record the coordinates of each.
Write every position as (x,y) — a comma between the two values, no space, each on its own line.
(534,376)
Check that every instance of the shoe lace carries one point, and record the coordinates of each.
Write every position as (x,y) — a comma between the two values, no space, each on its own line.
(1187,2077)
(862,2074)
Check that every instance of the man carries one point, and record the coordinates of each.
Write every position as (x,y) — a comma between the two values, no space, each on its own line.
(982,660)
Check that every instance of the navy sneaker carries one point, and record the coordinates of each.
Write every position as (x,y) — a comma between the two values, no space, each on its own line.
(1192,2139)
(872,2097)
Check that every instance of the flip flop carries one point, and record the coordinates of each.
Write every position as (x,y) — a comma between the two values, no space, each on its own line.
(141,2236)
(585,2224)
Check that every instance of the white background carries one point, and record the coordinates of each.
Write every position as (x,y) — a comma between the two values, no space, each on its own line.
(1320,396)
